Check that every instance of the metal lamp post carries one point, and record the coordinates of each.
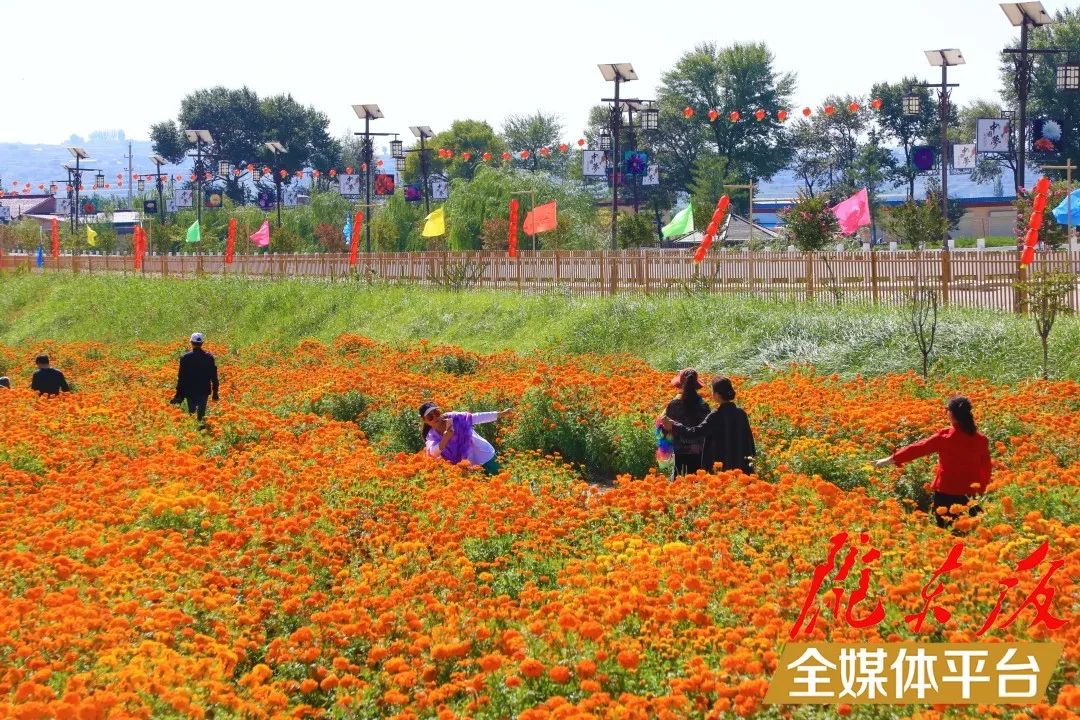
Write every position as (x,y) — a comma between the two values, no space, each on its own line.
(617,73)
(943,59)
(159,180)
(367,113)
(201,139)
(277,149)
(423,132)
(76,181)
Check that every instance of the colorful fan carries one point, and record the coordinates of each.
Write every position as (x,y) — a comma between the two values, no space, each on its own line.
(665,447)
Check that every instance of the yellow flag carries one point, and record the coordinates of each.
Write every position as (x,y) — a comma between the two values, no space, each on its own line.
(434,224)
(91,236)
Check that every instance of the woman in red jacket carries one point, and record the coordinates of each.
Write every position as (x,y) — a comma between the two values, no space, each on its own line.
(963,469)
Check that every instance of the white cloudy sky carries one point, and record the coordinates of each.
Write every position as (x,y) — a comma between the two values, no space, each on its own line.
(429,62)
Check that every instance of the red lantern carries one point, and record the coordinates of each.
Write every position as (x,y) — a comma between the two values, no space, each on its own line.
(853,107)
(781,115)
(363,167)
(333,172)
(466,156)
(52,189)
(41,186)
(378,163)
(829,110)
(563,147)
(250,167)
(734,116)
(505,156)
(68,189)
(283,174)
(524,154)
(759,114)
(581,142)
(349,170)
(876,103)
(299,174)
(806,112)
(236,172)
(136,176)
(316,173)
(688,112)
(544,152)
(487,156)
(179,178)
(108,186)
(191,177)
(713,115)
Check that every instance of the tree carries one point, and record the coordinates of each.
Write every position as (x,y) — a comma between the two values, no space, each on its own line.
(739,77)
(474,137)
(1043,99)
(919,224)
(1046,295)
(811,157)
(240,123)
(533,132)
(908,131)
(810,223)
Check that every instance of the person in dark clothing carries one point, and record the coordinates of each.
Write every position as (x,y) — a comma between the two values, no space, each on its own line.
(48,380)
(726,432)
(688,409)
(963,469)
(197,380)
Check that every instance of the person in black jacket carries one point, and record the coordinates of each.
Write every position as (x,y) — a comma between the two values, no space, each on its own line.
(48,380)
(197,379)
(726,432)
(688,409)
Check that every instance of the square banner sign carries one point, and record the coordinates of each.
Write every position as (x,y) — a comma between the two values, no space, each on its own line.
(992,135)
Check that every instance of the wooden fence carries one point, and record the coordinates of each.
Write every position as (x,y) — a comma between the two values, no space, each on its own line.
(975,279)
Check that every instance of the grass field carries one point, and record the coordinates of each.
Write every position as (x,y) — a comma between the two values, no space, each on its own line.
(714,333)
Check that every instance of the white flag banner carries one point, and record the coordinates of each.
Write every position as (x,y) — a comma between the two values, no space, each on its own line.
(652,175)
(349,185)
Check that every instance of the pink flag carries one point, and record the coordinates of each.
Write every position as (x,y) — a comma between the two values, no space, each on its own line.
(261,237)
(853,213)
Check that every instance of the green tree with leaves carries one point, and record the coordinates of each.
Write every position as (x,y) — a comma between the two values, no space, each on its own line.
(532,133)
(919,224)
(742,77)
(907,131)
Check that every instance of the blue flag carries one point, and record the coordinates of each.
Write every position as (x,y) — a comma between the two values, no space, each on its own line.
(40,257)
(347,230)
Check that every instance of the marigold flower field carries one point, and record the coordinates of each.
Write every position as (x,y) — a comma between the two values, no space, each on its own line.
(300,559)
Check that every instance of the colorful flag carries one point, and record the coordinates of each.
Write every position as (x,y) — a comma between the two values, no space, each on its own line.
(261,237)
(40,256)
(55,237)
(354,246)
(140,246)
(230,242)
(541,219)
(434,224)
(347,231)
(512,239)
(91,236)
(681,224)
(714,225)
(194,233)
(853,213)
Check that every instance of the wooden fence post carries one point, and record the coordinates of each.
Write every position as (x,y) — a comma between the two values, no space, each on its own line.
(613,278)
(809,276)
(1019,306)
(873,276)
(946,270)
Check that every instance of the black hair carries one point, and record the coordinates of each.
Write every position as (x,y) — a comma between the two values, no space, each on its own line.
(424,428)
(5,381)
(689,392)
(42,359)
(960,409)
(723,389)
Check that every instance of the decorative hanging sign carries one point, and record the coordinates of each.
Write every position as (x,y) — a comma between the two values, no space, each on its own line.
(652,175)
(594,163)
(440,190)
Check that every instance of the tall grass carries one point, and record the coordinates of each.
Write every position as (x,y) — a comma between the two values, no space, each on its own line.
(715,334)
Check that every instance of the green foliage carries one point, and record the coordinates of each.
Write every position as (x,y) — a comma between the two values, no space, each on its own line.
(736,76)
(474,137)
(532,132)
(1051,233)
(737,336)
(345,407)
(810,223)
(919,224)
(396,226)
(905,130)
(1046,296)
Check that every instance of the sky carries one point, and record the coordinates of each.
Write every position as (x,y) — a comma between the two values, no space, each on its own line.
(431,62)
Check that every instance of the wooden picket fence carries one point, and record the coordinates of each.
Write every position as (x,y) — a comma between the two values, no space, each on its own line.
(974,279)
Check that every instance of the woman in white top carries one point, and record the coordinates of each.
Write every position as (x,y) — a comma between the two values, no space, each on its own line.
(451,436)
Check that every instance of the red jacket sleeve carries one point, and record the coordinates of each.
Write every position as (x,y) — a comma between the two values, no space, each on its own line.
(984,469)
(922,448)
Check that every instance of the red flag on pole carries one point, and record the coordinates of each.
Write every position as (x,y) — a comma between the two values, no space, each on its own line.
(512,240)
(714,226)
(55,237)
(541,219)
(137,248)
(354,241)
(230,242)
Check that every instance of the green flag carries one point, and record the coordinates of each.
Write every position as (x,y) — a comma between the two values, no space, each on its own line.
(194,234)
(681,224)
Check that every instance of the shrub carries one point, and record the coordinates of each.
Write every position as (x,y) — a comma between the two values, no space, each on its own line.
(348,406)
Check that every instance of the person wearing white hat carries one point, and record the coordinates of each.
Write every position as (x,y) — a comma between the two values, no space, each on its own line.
(197,380)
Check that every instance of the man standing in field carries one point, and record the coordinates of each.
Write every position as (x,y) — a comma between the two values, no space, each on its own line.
(46,379)
(197,379)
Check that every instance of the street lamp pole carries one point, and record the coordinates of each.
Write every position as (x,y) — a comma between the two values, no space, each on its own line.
(423,132)
(944,59)
(617,73)
(368,112)
(159,181)
(200,138)
(276,148)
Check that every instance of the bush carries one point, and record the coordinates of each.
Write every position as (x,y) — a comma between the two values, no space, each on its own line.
(348,406)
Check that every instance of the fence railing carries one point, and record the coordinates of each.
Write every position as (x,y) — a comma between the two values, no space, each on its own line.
(966,279)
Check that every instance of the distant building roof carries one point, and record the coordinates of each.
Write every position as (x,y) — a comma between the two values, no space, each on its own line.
(19,205)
